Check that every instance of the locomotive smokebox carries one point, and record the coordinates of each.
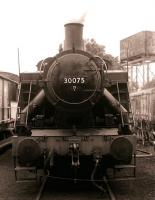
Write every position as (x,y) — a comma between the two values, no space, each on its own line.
(73,36)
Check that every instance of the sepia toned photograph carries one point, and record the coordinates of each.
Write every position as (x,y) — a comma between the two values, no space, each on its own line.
(77,100)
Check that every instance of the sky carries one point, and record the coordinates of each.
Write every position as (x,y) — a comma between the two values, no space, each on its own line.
(36,27)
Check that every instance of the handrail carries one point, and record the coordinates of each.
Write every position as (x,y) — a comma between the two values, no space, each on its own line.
(119,99)
(29,97)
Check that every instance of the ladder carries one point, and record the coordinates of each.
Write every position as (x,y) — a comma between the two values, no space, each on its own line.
(24,99)
(17,111)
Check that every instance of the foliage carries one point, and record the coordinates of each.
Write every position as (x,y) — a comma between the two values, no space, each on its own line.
(96,49)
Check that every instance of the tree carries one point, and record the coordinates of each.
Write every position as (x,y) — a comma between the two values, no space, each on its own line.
(96,49)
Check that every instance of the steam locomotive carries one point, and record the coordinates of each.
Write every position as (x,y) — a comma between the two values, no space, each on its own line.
(73,115)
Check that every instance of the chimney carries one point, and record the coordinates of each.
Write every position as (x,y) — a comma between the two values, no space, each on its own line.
(73,36)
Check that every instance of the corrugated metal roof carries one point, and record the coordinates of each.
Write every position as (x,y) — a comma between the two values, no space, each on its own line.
(9,76)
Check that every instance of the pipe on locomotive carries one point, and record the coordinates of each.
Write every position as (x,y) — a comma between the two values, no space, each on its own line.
(73,36)
(115,104)
(37,100)
(111,99)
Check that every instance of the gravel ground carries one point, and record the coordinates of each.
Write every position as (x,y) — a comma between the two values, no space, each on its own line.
(143,188)
(9,190)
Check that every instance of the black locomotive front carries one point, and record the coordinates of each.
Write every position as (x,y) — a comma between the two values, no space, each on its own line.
(72,113)
(72,80)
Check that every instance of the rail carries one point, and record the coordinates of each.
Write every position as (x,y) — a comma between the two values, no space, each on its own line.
(105,181)
(41,189)
(6,143)
(108,189)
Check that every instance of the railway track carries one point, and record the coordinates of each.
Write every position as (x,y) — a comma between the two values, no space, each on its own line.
(141,187)
(103,191)
(103,186)
(5,143)
(41,189)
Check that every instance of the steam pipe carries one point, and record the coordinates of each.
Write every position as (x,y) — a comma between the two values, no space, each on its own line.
(115,104)
(37,100)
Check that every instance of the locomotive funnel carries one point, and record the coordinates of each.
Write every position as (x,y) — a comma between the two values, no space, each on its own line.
(73,36)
